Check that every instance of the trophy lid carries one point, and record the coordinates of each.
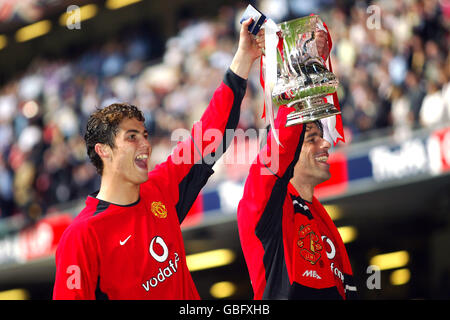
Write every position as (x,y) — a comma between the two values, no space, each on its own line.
(303,24)
(310,29)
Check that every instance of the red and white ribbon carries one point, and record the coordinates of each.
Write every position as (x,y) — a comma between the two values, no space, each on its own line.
(270,74)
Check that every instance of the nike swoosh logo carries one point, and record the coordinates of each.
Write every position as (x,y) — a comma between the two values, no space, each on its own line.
(124,241)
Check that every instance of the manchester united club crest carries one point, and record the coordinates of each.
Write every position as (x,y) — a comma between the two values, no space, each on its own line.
(159,209)
(309,244)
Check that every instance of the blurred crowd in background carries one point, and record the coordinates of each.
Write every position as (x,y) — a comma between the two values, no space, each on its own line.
(394,77)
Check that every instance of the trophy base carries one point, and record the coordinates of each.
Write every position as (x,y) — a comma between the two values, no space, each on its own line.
(310,113)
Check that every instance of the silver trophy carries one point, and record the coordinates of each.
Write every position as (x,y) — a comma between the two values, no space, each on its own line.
(303,81)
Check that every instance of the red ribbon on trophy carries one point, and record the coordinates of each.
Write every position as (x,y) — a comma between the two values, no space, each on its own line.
(334,124)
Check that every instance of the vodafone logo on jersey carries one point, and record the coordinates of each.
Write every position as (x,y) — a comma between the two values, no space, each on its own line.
(331,253)
(162,244)
(160,252)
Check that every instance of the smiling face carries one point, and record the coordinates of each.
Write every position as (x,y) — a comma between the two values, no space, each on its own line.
(312,167)
(129,159)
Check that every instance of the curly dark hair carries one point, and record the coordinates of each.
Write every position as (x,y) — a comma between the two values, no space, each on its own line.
(263,137)
(103,125)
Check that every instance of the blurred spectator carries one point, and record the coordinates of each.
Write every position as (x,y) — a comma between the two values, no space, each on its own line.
(6,190)
(432,111)
(402,115)
(415,94)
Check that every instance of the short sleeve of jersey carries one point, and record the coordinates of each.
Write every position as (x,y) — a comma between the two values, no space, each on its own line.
(76,264)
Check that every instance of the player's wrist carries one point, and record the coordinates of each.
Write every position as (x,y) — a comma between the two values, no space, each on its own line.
(241,64)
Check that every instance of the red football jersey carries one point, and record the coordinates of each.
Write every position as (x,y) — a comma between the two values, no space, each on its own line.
(136,251)
(291,247)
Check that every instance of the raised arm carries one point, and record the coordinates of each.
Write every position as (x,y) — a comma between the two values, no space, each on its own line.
(259,214)
(189,166)
(266,185)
